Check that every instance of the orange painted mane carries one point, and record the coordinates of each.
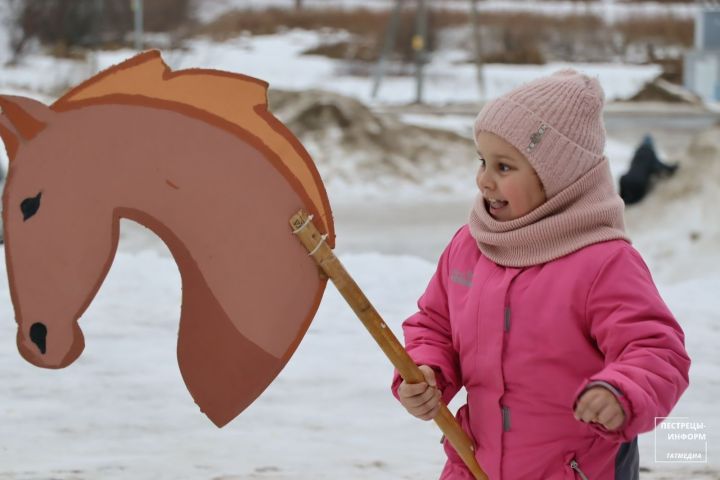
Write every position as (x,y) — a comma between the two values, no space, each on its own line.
(229,96)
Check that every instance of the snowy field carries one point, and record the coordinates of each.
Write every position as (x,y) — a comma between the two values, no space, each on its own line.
(122,411)
(278,59)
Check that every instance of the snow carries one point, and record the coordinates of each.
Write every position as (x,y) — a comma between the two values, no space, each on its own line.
(278,60)
(122,411)
(611,10)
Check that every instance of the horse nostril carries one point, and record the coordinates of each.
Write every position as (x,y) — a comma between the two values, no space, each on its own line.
(38,332)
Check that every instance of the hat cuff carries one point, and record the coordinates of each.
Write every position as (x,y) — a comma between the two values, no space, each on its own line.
(557,160)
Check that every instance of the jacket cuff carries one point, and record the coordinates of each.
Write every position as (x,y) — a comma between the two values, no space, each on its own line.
(601,383)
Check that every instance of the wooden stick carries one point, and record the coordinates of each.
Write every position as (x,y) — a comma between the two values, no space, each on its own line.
(314,242)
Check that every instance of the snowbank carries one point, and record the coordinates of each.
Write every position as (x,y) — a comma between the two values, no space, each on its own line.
(678,225)
(360,153)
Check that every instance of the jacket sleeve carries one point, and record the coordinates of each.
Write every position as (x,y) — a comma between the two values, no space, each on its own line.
(643,345)
(428,337)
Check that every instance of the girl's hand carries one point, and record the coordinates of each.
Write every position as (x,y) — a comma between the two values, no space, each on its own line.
(422,400)
(599,405)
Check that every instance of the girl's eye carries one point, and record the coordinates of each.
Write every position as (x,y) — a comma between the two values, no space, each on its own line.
(482,161)
(504,168)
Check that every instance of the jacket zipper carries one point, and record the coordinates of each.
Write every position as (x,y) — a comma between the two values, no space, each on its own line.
(574,465)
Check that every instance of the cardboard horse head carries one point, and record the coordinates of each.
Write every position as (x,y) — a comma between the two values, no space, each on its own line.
(196,157)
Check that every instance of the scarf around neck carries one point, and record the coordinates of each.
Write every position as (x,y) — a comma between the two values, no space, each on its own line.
(587,211)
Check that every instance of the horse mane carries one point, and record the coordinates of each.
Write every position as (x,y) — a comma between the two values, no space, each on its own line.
(236,98)
(221,93)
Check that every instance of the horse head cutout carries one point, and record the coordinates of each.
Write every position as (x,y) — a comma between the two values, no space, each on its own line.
(196,157)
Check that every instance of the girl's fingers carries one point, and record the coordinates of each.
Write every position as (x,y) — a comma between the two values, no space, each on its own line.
(607,413)
(425,408)
(431,415)
(429,375)
(582,407)
(601,408)
(588,416)
(429,410)
(615,421)
(419,400)
(407,390)
(597,403)
(593,403)
(586,412)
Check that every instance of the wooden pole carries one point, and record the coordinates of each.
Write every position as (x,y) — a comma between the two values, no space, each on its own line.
(314,242)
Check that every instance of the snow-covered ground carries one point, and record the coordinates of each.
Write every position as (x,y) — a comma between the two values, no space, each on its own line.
(122,411)
(278,60)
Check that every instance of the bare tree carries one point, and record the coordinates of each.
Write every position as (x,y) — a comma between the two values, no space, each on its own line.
(67,24)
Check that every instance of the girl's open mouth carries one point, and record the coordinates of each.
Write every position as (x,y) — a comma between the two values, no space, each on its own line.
(496,206)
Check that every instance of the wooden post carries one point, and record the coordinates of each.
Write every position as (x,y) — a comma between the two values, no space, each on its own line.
(323,255)
(388,46)
(476,48)
(419,46)
(137,7)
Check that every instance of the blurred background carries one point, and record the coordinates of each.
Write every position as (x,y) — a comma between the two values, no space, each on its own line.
(382,94)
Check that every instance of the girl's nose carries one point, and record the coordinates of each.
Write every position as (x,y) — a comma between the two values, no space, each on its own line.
(484,180)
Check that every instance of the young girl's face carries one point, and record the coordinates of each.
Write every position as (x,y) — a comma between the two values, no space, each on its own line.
(507,181)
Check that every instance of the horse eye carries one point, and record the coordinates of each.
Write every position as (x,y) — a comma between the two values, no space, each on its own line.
(30,206)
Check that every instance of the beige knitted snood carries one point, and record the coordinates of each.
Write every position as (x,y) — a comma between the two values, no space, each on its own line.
(587,211)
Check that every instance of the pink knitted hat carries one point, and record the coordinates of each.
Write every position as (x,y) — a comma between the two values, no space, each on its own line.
(555,121)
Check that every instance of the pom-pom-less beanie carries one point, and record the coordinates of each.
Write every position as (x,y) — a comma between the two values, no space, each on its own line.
(555,121)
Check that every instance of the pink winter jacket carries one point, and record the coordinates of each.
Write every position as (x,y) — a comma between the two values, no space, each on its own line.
(526,342)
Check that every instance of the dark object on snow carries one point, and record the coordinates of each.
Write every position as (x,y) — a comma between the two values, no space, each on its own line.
(645,169)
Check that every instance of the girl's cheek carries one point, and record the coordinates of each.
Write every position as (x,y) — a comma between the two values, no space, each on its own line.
(513,193)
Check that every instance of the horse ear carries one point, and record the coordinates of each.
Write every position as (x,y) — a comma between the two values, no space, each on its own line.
(21,120)
(9,137)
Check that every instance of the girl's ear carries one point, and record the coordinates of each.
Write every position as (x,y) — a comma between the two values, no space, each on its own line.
(22,118)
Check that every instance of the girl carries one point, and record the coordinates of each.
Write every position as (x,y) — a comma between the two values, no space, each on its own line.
(541,308)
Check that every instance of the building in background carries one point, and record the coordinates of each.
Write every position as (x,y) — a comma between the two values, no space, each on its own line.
(702,64)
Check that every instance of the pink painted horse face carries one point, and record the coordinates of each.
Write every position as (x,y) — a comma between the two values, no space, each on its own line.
(49,215)
(196,157)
